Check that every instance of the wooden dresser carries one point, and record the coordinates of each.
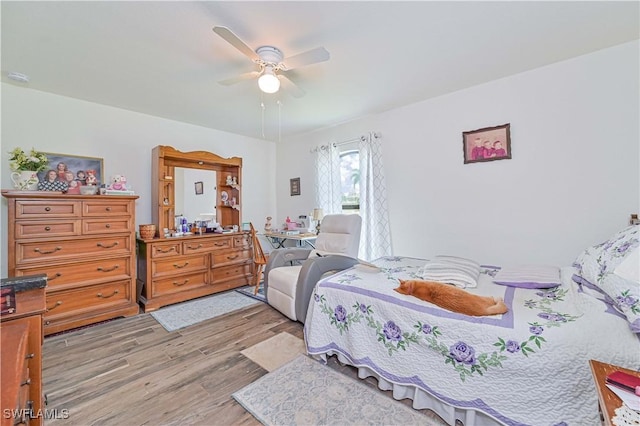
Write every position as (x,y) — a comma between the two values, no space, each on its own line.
(176,269)
(86,247)
(21,353)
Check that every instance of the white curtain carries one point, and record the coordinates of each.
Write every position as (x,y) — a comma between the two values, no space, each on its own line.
(375,240)
(327,162)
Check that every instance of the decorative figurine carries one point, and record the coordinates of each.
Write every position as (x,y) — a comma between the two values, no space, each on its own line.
(91,177)
(267,226)
(118,183)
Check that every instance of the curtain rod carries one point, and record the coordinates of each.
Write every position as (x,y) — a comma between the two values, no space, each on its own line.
(376,135)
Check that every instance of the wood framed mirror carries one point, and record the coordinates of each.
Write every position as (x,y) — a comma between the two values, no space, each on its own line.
(174,174)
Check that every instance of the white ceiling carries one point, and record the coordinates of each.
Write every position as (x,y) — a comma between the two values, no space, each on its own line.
(163,59)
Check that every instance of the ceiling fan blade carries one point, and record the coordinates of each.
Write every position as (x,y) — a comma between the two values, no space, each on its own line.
(233,40)
(290,87)
(313,56)
(239,78)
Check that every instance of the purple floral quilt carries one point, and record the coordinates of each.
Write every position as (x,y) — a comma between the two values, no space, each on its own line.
(528,366)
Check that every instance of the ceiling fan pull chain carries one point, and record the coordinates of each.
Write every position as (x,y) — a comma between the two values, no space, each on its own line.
(262,113)
(279,121)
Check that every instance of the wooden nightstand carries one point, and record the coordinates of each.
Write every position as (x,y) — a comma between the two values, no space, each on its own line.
(607,400)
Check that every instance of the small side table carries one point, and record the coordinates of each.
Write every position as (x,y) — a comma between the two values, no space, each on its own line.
(608,401)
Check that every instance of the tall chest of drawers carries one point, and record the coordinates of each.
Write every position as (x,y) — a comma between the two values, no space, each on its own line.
(172,270)
(86,247)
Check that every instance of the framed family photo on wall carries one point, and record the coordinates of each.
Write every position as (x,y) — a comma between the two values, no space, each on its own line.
(487,144)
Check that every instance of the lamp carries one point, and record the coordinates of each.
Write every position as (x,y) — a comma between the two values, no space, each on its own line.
(268,82)
(317,216)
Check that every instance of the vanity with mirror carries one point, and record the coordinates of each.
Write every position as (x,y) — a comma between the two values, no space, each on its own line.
(192,192)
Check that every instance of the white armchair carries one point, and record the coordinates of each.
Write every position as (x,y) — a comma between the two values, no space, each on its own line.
(288,288)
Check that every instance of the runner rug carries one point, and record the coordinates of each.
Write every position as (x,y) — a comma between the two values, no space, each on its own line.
(306,392)
(184,314)
(276,351)
(249,290)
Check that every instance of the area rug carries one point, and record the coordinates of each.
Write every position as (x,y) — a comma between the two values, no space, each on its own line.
(276,351)
(192,312)
(248,290)
(306,392)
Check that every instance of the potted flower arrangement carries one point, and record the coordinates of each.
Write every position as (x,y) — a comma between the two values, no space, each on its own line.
(25,168)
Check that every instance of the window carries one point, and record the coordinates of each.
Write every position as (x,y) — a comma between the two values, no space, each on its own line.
(350,181)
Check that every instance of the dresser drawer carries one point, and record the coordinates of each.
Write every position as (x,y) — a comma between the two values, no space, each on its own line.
(47,229)
(166,249)
(33,252)
(107,208)
(242,241)
(222,243)
(39,209)
(179,283)
(88,272)
(87,298)
(232,256)
(101,226)
(183,265)
(205,245)
(230,272)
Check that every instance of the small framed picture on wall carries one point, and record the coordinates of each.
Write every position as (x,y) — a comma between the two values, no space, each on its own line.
(487,144)
(294,186)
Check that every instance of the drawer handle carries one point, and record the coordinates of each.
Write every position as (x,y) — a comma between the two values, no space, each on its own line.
(106,297)
(26,382)
(175,265)
(101,269)
(111,246)
(57,275)
(159,250)
(108,209)
(194,248)
(108,225)
(58,303)
(220,244)
(47,228)
(181,284)
(47,209)
(232,257)
(37,250)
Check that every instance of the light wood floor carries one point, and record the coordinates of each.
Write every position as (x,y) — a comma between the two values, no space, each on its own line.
(131,371)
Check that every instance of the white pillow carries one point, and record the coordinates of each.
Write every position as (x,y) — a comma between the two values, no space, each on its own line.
(597,264)
(528,276)
(630,266)
(451,270)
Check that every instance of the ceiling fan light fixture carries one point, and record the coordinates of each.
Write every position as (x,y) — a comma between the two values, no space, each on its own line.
(268,82)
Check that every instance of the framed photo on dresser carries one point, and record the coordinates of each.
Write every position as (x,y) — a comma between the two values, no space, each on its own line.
(73,170)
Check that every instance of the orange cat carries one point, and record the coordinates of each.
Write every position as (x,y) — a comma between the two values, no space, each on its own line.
(452,298)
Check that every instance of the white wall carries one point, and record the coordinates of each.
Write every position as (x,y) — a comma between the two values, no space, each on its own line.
(124,140)
(573,179)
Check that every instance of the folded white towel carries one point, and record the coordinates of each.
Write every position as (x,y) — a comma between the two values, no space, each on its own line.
(454,270)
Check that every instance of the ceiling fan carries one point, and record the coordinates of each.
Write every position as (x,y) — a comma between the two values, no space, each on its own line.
(273,65)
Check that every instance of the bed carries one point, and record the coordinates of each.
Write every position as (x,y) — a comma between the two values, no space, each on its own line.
(528,366)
